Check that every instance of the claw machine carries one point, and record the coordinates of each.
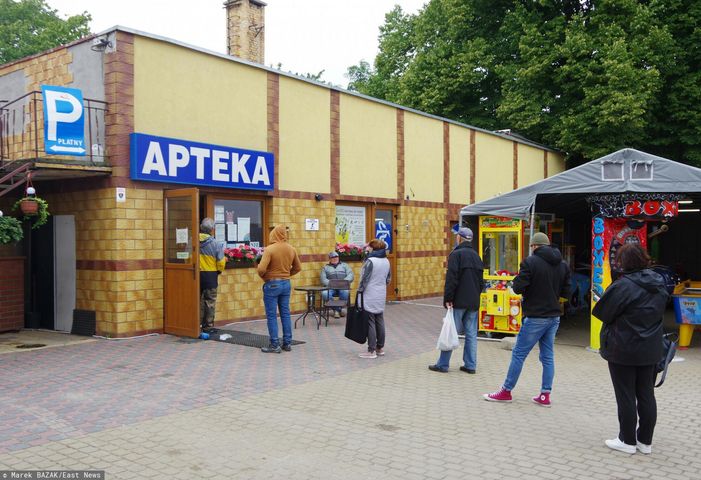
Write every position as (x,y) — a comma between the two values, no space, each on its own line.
(501,249)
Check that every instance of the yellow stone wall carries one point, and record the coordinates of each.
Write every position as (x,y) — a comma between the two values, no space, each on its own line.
(305,141)
(459,165)
(494,166)
(530,165)
(125,301)
(556,163)
(423,158)
(421,276)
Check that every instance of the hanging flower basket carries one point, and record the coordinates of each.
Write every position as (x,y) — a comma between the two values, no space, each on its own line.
(29,206)
(38,212)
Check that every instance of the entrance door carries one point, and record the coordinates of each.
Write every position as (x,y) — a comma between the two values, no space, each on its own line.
(385,229)
(181,271)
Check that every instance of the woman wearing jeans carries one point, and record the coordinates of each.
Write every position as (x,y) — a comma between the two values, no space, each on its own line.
(278,264)
(631,310)
(374,278)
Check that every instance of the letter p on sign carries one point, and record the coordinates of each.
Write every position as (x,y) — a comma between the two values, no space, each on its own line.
(63,121)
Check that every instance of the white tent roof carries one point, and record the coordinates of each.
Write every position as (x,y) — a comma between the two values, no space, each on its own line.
(626,170)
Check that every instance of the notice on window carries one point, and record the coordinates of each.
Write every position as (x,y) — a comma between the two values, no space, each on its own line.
(350,224)
(220,232)
(231,232)
(244,229)
(181,235)
(219,213)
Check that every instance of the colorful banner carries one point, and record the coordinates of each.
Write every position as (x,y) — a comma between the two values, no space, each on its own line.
(608,235)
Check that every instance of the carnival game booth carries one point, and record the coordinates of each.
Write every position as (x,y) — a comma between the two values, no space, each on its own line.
(625,197)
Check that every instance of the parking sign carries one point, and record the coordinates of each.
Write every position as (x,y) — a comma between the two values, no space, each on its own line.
(64,119)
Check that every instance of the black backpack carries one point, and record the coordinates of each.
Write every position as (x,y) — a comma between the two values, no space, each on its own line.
(669,348)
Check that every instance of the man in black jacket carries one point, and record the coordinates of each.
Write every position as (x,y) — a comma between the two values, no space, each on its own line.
(542,279)
(463,285)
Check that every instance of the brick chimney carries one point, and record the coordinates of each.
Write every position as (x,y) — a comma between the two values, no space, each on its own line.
(245,29)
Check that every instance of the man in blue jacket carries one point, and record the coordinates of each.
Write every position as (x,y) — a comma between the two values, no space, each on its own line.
(464,282)
(542,279)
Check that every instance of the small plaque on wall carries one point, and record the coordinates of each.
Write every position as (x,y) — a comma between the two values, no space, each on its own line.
(311,224)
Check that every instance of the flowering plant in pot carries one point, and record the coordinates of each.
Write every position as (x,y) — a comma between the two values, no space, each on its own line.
(243,255)
(349,251)
(35,209)
(10,230)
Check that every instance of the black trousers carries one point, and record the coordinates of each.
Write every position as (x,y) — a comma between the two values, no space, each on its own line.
(635,396)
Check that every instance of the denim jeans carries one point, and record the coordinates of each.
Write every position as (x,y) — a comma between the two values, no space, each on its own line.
(341,294)
(276,295)
(465,323)
(534,330)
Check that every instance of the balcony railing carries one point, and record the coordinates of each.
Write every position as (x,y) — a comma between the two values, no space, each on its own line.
(22,132)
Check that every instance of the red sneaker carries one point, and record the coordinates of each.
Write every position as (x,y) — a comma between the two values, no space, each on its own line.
(502,395)
(543,399)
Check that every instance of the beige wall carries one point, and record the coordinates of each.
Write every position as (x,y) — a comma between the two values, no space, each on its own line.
(305,144)
(556,163)
(368,148)
(494,166)
(459,165)
(530,165)
(185,94)
(423,158)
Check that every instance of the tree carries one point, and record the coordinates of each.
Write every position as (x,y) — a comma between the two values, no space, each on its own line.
(584,76)
(31,26)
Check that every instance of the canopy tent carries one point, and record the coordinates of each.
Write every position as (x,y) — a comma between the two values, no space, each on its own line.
(626,170)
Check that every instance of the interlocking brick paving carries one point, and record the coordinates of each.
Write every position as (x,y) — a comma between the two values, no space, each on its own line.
(157,407)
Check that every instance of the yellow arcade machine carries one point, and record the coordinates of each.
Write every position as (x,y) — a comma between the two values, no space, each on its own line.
(500,246)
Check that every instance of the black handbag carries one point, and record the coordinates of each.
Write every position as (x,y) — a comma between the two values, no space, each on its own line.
(669,348)
(357,321)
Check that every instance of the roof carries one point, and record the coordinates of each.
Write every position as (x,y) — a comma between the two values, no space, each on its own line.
(626,170)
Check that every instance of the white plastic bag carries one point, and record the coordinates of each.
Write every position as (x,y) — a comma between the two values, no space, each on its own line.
(448,339)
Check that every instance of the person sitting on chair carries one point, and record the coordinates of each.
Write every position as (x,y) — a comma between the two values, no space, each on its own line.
(336,270)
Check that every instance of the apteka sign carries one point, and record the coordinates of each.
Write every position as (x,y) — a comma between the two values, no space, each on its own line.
(160,159)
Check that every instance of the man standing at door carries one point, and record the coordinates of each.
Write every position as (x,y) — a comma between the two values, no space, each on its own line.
(212,264)
(464,282)
(279,262)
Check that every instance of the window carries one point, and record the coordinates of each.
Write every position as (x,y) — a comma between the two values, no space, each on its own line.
(641,170)
(238,222)
(351,224)
(612,171)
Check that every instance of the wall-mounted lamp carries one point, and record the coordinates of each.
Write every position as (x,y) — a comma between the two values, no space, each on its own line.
(100,44)
(318,197)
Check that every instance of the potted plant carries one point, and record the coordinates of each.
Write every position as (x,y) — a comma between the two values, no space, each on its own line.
(349,251)
(242,256)
(10,230)
(35,209)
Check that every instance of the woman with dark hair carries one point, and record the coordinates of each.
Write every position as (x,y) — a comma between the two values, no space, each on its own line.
(631,310)
(374,278)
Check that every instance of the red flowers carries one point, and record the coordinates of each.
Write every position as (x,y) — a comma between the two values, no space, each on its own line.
(243,254)
(349,250)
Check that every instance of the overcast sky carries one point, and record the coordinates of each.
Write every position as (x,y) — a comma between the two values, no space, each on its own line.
(306,36)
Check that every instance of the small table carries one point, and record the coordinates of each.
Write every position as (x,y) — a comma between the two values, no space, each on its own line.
(311,304)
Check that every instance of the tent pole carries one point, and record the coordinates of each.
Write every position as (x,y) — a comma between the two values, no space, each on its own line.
(532,223)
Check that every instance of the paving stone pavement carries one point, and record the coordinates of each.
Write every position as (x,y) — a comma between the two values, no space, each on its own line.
(156,407)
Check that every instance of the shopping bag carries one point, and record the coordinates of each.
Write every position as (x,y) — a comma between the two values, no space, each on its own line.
(448,339)
(669,348)
(357,320)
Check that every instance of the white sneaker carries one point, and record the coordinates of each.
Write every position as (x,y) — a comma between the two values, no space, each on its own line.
(336,314)
(617,444)
(374,355)
(642,448)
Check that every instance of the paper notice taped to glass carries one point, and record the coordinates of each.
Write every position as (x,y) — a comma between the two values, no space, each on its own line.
(181,235)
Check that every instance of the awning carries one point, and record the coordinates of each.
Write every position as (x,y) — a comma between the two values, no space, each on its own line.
(626,170)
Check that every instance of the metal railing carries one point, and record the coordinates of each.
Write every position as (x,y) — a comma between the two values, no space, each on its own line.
(22,132)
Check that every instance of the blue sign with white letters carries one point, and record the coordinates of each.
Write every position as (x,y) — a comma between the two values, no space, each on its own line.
(383,231)
(64,121)
(161,159)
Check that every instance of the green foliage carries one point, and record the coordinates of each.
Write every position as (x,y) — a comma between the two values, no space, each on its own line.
(10,230)
(42,215)
(587,77)
(31,26)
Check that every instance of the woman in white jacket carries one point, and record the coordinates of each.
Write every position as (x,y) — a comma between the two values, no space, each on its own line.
(374,278)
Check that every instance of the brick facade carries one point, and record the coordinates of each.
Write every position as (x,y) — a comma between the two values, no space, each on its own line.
(11,293)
